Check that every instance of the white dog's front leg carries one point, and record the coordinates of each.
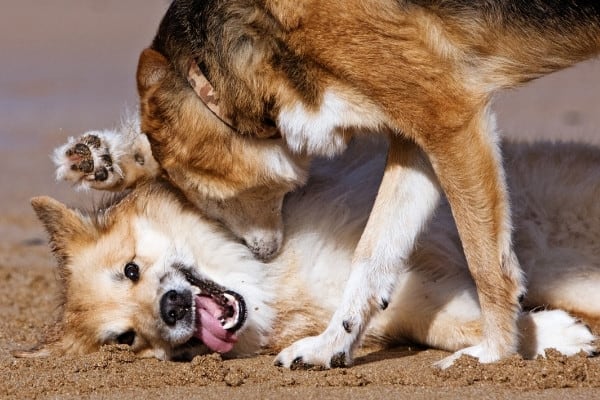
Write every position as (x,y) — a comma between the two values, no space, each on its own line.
(107,160)
(406,199)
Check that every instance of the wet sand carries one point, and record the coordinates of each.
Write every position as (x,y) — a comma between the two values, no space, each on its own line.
(69,66)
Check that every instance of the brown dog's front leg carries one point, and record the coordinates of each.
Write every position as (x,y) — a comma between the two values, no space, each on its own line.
(468,166)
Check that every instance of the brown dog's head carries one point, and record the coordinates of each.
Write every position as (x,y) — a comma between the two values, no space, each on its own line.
(148,271)
(237,179)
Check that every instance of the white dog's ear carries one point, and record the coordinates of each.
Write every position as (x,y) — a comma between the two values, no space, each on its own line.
(152,68)
(40,351)
(67,228)
(58,344)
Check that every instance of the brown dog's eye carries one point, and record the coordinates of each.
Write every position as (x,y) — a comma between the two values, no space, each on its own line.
(126,338)
(132,271)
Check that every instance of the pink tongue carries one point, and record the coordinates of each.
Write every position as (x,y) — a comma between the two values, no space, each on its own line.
(209,328)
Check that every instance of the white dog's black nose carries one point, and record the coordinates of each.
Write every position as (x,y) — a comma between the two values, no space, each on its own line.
(175,306)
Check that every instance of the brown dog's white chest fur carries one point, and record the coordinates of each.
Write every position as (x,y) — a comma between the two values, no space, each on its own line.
(327,130)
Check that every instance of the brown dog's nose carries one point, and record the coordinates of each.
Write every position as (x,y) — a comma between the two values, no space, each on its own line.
(174,306)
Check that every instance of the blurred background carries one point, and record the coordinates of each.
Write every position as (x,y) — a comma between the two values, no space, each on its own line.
(67,66)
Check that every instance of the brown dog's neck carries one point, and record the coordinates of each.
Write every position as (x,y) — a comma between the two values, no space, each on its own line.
(209,96)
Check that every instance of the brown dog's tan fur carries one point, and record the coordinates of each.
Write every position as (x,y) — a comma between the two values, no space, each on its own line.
(422,71)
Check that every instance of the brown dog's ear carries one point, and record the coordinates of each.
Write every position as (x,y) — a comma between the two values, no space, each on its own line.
(65,227)
(152,68)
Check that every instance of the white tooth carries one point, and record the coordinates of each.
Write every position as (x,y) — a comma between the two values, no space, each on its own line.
(229,297)
(196,291)
(229,324)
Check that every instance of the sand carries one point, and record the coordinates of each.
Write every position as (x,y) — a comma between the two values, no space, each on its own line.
(69,66)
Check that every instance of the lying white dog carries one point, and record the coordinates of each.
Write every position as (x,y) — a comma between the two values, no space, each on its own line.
(149,270)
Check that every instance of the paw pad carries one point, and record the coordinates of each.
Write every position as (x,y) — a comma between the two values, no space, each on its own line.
(81,157)
(92,141)
(101,174)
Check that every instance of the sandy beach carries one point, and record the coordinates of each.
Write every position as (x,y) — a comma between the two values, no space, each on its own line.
(68,66)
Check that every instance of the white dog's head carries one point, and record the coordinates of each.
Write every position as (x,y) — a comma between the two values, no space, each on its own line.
(150,272)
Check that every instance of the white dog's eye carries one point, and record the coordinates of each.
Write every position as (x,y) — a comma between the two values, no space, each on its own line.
(126,338)
(132,271)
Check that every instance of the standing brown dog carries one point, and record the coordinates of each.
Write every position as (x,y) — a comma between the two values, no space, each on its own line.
(220,75)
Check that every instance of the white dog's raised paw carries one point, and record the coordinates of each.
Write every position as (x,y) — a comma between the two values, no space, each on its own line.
(87,161)
(313,353)
(107,160)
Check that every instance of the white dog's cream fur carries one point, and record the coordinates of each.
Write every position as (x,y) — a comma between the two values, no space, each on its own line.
(554,188)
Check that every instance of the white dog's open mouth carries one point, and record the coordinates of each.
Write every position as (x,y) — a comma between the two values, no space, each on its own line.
(219,313)
(218,318)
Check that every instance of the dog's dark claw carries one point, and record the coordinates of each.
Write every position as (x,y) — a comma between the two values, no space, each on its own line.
(384,304)
(298,364)
(338,360)
(92,141)
(347,326)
